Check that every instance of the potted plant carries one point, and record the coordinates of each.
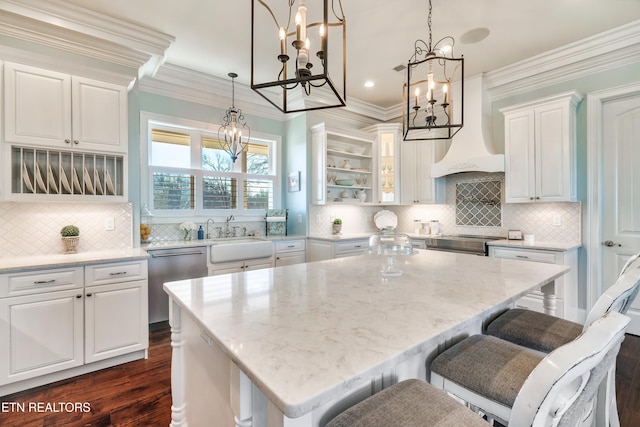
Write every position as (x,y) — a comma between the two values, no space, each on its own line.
(70,238)
(337,226)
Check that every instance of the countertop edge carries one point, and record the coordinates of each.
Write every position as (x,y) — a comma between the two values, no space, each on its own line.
(38,262)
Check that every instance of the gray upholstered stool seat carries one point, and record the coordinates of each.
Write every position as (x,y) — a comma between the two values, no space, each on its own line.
(410,403)
(487,365)
(534,330)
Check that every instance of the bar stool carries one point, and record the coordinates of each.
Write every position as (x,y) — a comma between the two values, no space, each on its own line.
(544,333)
(519,387)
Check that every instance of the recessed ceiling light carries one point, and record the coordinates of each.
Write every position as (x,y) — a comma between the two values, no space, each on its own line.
(474,36)
(369,84)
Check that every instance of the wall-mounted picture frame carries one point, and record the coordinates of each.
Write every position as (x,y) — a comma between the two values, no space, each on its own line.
(293,181)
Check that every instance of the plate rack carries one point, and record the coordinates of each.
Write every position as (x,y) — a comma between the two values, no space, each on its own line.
(54,172)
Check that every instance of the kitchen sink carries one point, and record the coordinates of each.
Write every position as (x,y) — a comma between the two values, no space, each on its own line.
(238,249)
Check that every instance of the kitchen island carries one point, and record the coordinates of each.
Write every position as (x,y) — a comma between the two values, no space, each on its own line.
(295,345)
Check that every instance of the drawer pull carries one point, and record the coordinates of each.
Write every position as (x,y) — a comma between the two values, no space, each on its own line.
(89,294)
(291,246)
(44,282)
(357,246)
(522,256)
(118,273)
(78,296)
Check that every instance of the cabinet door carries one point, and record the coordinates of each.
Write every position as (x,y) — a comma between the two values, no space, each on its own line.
(418,187)
(257,264)
(99,115)
(115,320)
(37,106)
(40,334)
(290,258)
(520,154)
(553,153)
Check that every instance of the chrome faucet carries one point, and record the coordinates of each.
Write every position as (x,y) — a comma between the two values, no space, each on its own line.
(226,229)
(213,222)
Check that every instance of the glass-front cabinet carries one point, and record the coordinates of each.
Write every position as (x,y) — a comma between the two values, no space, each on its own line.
(388,137)
(343,165)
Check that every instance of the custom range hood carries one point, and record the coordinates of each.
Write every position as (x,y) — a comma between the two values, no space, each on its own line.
(468,151)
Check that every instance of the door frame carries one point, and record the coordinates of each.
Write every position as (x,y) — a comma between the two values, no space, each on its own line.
(595,102)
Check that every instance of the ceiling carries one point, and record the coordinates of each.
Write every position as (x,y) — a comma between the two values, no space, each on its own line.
(214,36)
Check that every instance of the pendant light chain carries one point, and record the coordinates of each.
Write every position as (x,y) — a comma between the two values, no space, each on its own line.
(429,24)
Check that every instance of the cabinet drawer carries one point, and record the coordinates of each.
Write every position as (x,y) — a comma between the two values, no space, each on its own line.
(33,282)
(116,272)
(357,246)
(525,255)
(290,246)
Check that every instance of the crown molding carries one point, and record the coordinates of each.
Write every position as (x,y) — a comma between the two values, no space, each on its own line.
(605,51)
(70,28)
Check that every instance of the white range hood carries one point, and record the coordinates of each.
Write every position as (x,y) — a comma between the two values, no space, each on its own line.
(468,151)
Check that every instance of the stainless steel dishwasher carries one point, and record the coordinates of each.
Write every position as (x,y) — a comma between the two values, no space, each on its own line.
(167,265)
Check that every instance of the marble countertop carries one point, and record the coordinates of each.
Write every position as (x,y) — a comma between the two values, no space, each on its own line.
(12,264)
(307,333)
(549,246)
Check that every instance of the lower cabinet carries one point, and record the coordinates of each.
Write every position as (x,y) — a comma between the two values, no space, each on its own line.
(565,287)
(319,249)
(289,252)
(216,269)
(115,320)
(40,334)
(57,323)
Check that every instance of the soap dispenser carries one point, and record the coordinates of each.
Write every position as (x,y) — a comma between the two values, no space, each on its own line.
(200,233)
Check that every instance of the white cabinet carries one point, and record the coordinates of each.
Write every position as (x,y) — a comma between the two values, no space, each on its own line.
(565,288)
(56,110)
(41,323)
(387,162)
(116,312)
(418,187)
(290,252)
(56,323)
(342,165)
(320,250)
(540,150)
(218,268)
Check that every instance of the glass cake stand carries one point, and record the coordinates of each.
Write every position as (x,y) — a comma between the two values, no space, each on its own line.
(390,244)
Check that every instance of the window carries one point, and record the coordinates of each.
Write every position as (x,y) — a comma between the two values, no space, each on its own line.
(188,172)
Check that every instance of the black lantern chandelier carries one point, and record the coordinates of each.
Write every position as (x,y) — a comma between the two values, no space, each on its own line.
(234,133)
(433,92)
(291,46)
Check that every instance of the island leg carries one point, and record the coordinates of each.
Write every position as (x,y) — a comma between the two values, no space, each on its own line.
(549,303)
(241,401)
(177,383)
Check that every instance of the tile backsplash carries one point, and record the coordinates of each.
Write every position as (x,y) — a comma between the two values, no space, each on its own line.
(560,221)
(34,228)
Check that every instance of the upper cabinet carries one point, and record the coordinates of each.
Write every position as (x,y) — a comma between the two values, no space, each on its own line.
(418,187)
(540,150)
(54,110)
(342,166)
(387,162)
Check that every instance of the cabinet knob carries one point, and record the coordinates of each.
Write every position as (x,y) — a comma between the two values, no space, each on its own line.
(89,294)
(75,141)
(530,198)
(79,296)
(68,141)
(537,197)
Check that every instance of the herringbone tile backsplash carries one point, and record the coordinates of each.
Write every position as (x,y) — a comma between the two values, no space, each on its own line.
(34,228)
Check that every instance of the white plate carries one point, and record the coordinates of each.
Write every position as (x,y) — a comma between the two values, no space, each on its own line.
(65,181)
(96,179)
(76,182)
(25,177)
(52,180)
(87,181)
(107,180)
(38,178)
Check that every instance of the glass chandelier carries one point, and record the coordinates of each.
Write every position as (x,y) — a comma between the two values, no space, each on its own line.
(290,62)
(234,133)
(434,89)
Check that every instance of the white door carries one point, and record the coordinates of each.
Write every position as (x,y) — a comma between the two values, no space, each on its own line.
(620,191)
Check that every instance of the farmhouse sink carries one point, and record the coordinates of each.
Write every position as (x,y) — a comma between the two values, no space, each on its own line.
(226,250)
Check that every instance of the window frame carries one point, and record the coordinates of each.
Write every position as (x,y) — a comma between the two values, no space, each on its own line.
(197,130)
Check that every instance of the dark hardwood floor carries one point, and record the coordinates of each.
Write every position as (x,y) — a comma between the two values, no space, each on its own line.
(139,393)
